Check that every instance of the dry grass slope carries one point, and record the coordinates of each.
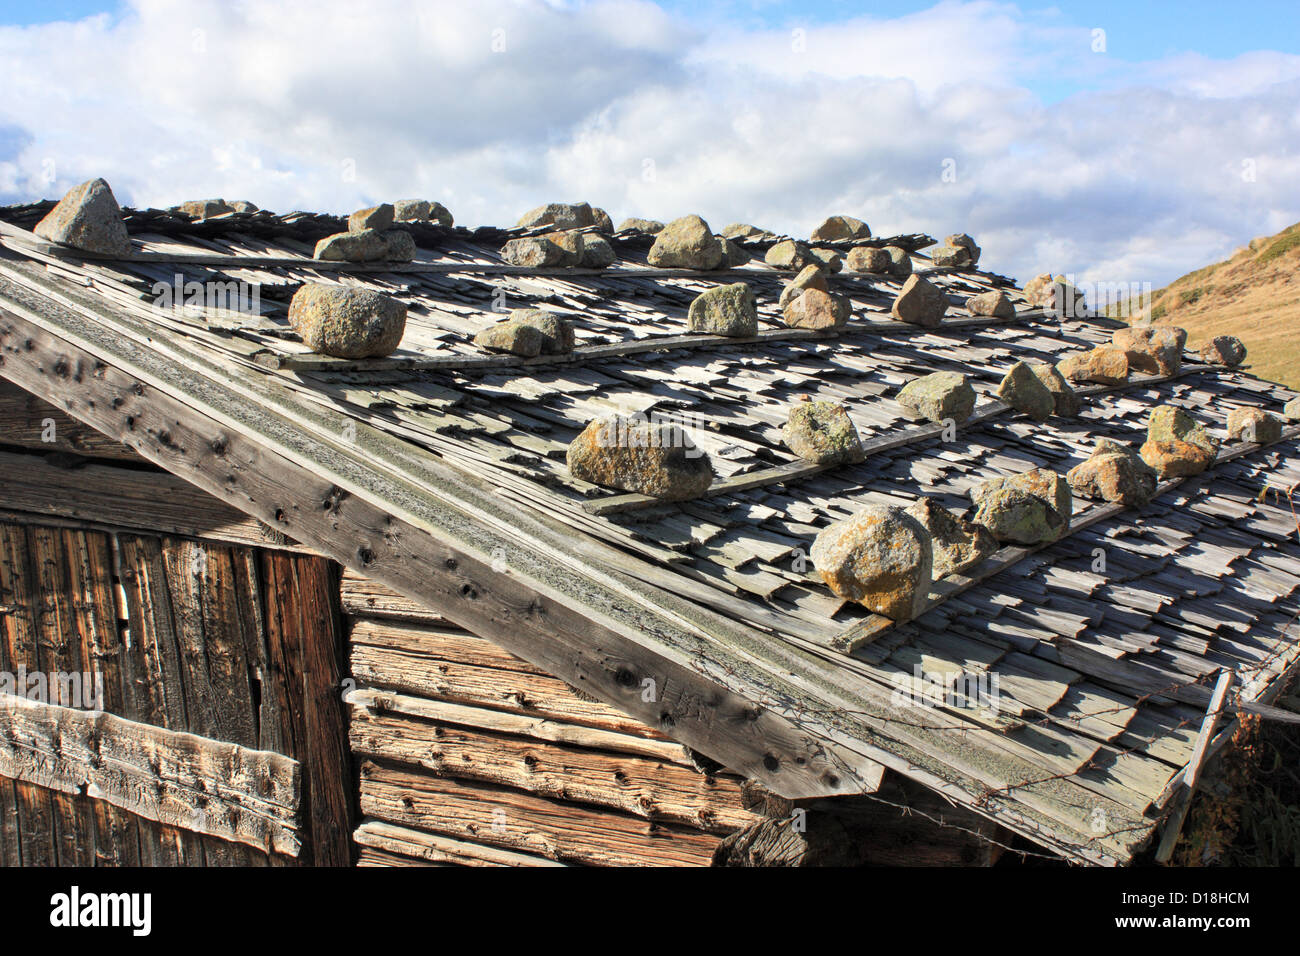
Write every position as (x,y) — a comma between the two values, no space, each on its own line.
(1254,295)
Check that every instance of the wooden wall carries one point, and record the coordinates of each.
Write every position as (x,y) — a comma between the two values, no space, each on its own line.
(471,756)
(218,638)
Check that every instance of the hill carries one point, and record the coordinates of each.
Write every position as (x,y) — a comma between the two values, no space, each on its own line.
(1254,295)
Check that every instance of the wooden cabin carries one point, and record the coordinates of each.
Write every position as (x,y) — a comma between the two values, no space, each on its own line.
(346,612)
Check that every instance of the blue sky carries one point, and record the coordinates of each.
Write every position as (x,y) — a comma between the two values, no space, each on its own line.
(1176,144)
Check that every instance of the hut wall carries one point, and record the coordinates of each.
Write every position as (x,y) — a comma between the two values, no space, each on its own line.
(213,634)
(468,755)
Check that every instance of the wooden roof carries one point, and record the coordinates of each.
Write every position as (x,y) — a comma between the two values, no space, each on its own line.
(440,472)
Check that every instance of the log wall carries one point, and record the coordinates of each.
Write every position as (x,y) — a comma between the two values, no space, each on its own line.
(469,755)
(227,635)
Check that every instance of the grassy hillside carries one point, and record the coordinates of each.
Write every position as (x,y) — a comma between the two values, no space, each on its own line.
(1255,295)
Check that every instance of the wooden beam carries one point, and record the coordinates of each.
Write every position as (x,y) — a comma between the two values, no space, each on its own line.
(413,847)
(1174,823)
(205,786)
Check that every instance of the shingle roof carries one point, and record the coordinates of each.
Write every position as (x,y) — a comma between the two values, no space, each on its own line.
(1096,670)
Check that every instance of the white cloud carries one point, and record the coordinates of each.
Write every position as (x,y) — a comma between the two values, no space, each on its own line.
(496,106)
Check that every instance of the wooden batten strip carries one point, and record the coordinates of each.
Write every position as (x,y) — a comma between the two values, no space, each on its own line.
(200,785)
(406,847)
(29,422)
(792,471)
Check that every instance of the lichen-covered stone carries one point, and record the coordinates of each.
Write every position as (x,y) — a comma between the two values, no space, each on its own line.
(368,245)
(743,230)
(994,303)
(686,243)
(533,251)
(1063,394)
(597,253)
(1102,365)
(570,243)
(205,208)
(1224,350)
(1025,392)
(243,205)
(789,255)
(600,219)
(347,321)
(561,215)
(1113,473)
(900,262)
(868,259)
(812,277)
(949,257)
(517,338)
(422,210)
(830,259)
(1153,350)
(920,302)
(89,218)
(646,457)
(1055,294)
(733,254)
(840,227)
(725,310)
(1177,445)
(959,240)
(1254,425)
(1292,409)
(814,309)
(881,558)
(399,245)
(651,226)
(378,218)
(938,397)
(1029,508)
(957,544)
(823,433)
(528,332)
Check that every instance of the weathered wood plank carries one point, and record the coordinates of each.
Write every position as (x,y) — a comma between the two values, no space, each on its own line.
(306,660)
(425,674)
(363,597)
(205,786)
(127,498)
(531,824)
(520,725)
(29,422)
(644,787)
(407,847)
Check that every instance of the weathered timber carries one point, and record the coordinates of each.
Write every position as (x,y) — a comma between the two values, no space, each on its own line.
(306,675)
(648,788)
(520,725)
(406,847)
(204,786)
(126,498)
(425,672)
(29,422)
(363,597)
(519,821)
